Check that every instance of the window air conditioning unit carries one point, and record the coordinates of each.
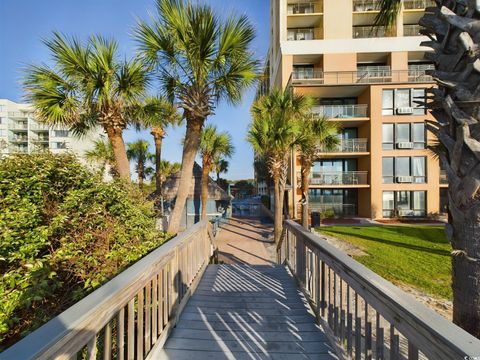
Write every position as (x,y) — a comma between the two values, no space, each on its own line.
(405,145)
(405,111)
(404,179)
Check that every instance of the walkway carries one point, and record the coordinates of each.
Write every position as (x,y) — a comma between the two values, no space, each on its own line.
(247,308)
(246,241)
(247,312)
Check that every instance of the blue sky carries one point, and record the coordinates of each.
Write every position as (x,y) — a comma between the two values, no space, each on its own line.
(25,22)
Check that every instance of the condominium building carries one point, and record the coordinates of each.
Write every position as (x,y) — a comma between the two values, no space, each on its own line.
(367,81)
(21,133)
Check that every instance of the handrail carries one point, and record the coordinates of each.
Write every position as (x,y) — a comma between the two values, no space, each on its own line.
(139,307)
(362,310)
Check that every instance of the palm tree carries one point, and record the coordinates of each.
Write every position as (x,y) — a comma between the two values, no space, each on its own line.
(273,133)
(138,152)
(88,86)
(156,114)
(315,133)
(102,153)
(452,27)
(212,145)
(220,165)
(200,60)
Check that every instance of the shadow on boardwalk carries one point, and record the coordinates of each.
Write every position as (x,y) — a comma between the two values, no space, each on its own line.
(246,241)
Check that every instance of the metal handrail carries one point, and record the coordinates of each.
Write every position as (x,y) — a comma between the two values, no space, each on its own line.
(411,30)
(348,146)
(153,292)
(304,7)
(362,32)
(342,111)
(366,5)
(361,309)
(417,4)
(339,178)
(297,31)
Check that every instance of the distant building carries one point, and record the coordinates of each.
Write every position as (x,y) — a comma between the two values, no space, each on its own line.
(219,201)
(21,133)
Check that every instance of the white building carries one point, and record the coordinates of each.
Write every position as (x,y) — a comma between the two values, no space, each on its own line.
(20,133)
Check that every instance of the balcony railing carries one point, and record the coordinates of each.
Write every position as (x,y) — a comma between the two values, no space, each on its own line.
(19,138)
(318,77)
(300,34)
(348,146)
(17,114)
(369,317)
(307,7)
(39,127)
(366,5)
(341,111)
(411,30)
(18,126)
(361,32)
(339,178)
(417,4)
(338,209)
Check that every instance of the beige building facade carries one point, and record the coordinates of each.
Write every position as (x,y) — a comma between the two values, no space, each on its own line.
(369,83)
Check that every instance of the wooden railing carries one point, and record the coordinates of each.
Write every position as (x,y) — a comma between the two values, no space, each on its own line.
(131,316)
(366,316)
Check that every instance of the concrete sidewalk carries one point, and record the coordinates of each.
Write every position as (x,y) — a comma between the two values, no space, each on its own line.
(246,241)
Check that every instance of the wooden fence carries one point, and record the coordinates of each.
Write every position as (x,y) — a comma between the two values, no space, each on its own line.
(366,316)
(131,316)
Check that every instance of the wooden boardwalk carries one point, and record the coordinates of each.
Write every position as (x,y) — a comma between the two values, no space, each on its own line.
(247,312)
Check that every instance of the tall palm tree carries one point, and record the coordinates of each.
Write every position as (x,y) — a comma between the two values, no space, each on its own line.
(452,27)
(213,144)
(138,152)
(315,133)
(156,114)
(273,133)
(220,165)
(88,86)
(200,60)
(102,153)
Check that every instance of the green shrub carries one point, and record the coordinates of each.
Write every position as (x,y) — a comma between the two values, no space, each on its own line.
(63,232)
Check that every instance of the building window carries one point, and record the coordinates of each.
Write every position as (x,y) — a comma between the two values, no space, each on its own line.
(61,133)
(404,203)
(3,133)
(2,108)
(444,201)
(403,102)
(300,34)
(343,202)
(404,170)
(404,136)
(61,145)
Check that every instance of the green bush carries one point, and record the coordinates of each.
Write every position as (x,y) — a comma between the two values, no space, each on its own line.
(63,232)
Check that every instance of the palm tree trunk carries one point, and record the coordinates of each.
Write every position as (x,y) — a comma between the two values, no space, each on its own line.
(466,273)
(190,148)
(305,188)
(204,194)
(278,209)
(120,152)
(158,139)
(140,173)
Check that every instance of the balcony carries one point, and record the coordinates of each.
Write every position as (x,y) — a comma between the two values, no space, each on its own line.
(362,76)
(18,125)
(306,7)
(39,127)
(362,32)
(348,146)
(41,139)
(339,178)
(19,138)
(417,4)
(18,114)
(341,111)
(366,5)
(411,30)
(301,34)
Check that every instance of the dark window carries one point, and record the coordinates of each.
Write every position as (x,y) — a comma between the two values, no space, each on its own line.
(404,170)
(387,170)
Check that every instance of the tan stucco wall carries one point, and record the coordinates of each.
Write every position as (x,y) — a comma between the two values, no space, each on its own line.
(338,24)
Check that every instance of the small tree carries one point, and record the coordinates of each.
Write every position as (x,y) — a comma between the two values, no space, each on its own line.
(138,152)
(88,86)
(273,133)
(102,153)
(156,114)
(213,144)
(316,133)
(220,165)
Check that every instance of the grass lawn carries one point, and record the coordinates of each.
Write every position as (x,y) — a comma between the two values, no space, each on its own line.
(414,255)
